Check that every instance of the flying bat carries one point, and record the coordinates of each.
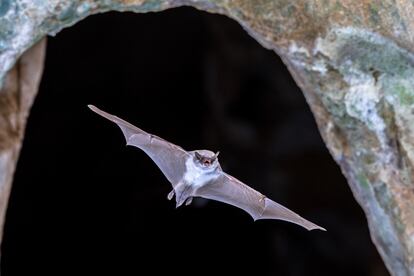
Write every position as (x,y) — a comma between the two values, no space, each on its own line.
(198,174)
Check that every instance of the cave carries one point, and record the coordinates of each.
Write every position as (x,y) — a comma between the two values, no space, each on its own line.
(83,202)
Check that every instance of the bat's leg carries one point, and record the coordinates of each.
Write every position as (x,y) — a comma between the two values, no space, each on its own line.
(188,201)
(171,194)
(182,193)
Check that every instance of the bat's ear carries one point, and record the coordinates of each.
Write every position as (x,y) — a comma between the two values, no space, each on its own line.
(198,155)
(217,154)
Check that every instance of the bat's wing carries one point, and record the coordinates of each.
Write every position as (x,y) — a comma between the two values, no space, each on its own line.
(169,158)
(229,190)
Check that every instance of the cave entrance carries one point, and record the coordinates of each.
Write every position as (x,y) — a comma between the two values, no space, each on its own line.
(81,201)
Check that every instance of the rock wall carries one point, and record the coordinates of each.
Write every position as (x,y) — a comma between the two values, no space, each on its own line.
(16,97)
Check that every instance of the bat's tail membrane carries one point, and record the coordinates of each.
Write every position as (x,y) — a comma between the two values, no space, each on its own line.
(274,210)
(183,193)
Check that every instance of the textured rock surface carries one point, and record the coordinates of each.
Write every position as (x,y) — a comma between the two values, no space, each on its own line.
(16,97)
(353,61)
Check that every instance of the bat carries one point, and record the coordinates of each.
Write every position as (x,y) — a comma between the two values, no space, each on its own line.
(198,174)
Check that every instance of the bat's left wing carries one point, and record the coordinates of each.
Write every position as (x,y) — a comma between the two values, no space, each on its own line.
(169,158)
(229,190)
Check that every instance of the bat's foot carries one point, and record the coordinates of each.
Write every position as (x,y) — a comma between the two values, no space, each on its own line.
(188,201)
(171,195)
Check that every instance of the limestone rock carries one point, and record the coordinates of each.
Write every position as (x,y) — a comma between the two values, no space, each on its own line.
(16,97)
(353,61)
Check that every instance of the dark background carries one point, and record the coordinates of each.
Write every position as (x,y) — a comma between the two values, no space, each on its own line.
(82,202)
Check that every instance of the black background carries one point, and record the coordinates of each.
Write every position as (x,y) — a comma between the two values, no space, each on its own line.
(82,202)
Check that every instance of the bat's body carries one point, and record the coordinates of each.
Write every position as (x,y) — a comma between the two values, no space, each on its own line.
(198,174)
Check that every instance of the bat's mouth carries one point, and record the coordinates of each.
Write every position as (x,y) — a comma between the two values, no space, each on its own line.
(206,162)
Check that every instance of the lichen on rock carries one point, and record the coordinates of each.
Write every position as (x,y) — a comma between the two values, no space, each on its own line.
(366,88)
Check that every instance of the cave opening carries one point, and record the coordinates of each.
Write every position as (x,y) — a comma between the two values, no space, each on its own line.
(82,201)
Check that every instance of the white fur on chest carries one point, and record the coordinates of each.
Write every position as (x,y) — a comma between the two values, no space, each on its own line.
(196,176)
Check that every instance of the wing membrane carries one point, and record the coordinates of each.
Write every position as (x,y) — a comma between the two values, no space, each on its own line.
(169,158)
(230,190)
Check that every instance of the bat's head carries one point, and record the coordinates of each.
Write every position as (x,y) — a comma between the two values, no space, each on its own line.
(206,159)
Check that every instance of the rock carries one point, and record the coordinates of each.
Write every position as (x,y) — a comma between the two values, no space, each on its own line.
(353,61)
(16,97)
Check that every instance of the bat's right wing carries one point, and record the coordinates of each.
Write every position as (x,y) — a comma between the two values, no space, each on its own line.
(169,158)
(229,190)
